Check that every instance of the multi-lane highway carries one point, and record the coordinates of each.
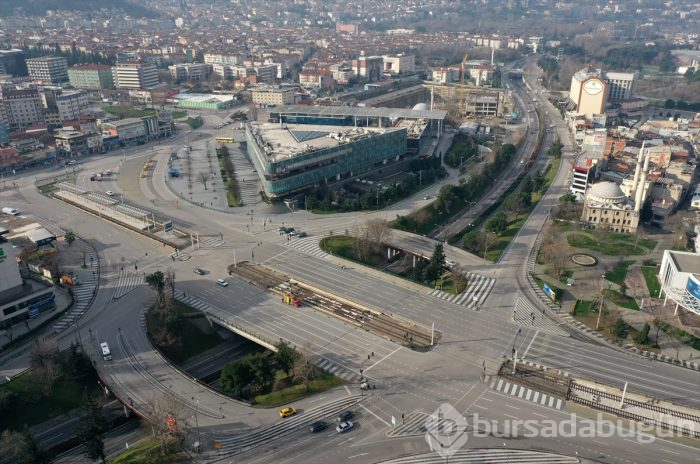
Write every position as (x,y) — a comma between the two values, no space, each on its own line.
(406,383)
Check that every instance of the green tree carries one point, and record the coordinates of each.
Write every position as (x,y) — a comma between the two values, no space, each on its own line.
(436,264)
(235,376)
(285,356)
(620,329)
(69,237)
(470,241)
(30,451)
(669,104)
(497,224)
(642,337)
(647,213)
(76,364)
(263,370)
(91,428)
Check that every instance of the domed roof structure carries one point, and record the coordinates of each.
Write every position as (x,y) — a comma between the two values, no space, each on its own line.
(606,192)
(420,107)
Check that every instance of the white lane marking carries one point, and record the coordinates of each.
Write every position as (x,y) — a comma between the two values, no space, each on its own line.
(385,357)
(668,451)
(600,442)
(530,344)
(480,407)
(512,417)
(538,415)
(358,455)
(509,406)
(348,390)
(379,418)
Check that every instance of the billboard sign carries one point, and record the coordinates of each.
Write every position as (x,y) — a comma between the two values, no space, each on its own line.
(168,226)
(693,286)
(550,293)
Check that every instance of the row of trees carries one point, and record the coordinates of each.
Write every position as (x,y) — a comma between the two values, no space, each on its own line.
(229,169)
(256,373)
(681,105)
(168,321)
(463,147)
(356,197)
(432,269)
(453,198)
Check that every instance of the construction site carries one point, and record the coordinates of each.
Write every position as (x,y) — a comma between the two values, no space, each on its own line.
(298,294)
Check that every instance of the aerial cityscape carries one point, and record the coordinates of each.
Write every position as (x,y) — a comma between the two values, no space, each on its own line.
(316,231)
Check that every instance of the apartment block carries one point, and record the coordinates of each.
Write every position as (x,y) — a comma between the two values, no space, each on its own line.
(91,76)
(270,96)
(48,69)
(135,75)
(21,108)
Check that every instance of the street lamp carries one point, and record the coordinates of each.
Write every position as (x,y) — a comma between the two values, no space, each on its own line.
(196,420)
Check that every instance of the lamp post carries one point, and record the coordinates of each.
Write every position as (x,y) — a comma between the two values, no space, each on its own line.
(196,421)
(600,307)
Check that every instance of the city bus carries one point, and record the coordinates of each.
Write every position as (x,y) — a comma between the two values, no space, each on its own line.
(224,140)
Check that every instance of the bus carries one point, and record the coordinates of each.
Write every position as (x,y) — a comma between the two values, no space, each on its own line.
(224,140)
(106,354)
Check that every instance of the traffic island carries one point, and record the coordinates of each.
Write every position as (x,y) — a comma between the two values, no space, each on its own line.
(297,293)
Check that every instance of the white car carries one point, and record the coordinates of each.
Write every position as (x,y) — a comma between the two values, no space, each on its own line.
(222,282)
(110,193)
(344,426)
(450,264)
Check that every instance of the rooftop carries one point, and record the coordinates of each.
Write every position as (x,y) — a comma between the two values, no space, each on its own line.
(391,113)
(686,261)
(295,139)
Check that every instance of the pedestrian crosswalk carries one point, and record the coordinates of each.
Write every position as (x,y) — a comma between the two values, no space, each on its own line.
(412,424)
(180,256)
(83,294)
(128,281)
(192,301)
(340,371)
(526,314)
(308,245)
(213,242)
(478,288)
(513,389)
(486,455)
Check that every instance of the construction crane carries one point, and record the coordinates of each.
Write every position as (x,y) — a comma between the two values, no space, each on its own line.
(461,81)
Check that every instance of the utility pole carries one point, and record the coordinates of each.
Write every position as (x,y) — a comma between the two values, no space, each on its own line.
(196,420)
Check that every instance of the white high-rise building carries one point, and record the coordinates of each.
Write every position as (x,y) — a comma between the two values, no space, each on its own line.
(48,69)
(135,75)
(621,85)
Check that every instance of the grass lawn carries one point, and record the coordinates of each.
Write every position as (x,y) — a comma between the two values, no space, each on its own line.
(194,339)
(179,114)
(620,299)
(583,308)
(297,392)
(30,407)
(233,201)
(148,452)
(618,274)
(128,112)
(505,238)
(616,248)
(344,246)
(652,280)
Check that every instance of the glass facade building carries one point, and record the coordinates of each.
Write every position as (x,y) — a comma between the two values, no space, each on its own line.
(285,172)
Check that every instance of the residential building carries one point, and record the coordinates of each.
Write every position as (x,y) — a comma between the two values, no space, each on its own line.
(272,97)
(223,71)
(190,71)
(70,143)
(12,62)
(135,75)
(621,85)
(445,75)
(20,299)
(350,28)
(91,76)
(318,79)
(9,156)
(21,108)
(266,73)
(218,58)
(368,67)
(679,275)
(69,104)
(48,69)
(399,64)
(130,131)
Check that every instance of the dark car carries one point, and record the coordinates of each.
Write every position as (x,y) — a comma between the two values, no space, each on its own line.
(302,234)
(344,416)
(199,271)
(317,426)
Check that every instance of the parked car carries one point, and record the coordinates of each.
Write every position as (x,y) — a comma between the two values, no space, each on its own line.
(292,233)
(199,271)
(222,282)
(286,412)
(317,426)
(344,426)
(302,234)
(450,264)
(110,193)
(344,416)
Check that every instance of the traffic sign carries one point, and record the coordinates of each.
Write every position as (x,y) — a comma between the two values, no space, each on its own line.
(167,226)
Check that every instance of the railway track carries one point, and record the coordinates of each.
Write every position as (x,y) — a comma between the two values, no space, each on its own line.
(379,323)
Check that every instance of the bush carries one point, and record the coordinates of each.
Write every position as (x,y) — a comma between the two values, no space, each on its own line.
(642,337)
(620,329)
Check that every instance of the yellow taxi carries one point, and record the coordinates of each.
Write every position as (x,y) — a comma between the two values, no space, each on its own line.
(286,412)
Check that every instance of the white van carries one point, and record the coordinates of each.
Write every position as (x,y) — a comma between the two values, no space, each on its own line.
(106,354)
(12,211)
